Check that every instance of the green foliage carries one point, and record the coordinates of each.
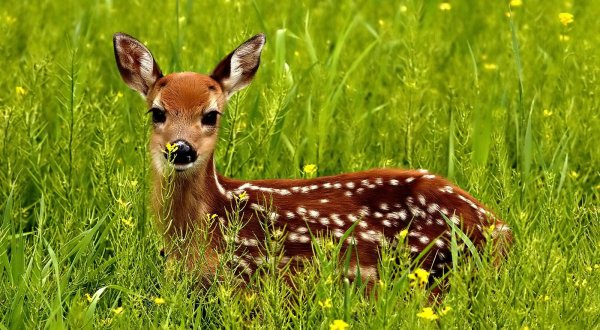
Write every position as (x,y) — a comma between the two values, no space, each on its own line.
(507,107)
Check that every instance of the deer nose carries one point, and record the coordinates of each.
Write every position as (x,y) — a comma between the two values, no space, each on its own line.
(181,153)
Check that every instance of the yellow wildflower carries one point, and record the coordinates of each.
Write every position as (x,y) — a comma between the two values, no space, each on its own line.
(445,6)
(338,325)
(128,222)
(119,95)
(564,37)
(88,297)
(419,278)
(516,3)
(588,268)
(574,174)
(566,18)
(159,300)
(243,195)
(525,328)
(547,113)
(402,234)
(325,303)
(20,90)
(171,148)
(428,314)
(490,66)
(118,310)
(10,20)
(445,310)
(310,169)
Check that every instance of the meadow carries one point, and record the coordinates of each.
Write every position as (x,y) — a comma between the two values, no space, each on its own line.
(502,100)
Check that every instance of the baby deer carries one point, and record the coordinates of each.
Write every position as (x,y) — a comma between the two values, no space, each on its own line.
(186,109)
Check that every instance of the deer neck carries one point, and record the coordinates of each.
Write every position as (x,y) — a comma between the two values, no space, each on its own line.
(184,201)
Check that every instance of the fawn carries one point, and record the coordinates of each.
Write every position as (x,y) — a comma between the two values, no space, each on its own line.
(186,108)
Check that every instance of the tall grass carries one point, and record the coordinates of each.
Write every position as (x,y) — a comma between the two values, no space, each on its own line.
(506,107)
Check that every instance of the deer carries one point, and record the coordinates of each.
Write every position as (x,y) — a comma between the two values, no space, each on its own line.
(377,204)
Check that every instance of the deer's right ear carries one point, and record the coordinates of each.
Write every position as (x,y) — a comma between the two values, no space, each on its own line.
(136,64)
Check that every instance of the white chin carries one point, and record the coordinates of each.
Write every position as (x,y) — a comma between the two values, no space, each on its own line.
(183,167)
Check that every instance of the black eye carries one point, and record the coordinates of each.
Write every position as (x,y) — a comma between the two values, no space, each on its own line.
(158,115)
(210,118)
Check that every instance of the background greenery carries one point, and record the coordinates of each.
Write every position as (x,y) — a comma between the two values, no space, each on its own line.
(507,108)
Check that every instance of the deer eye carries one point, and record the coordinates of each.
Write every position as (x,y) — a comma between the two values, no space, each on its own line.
(210,118)
(158,115)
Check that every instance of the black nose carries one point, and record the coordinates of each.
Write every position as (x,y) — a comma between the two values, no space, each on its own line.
(182,154)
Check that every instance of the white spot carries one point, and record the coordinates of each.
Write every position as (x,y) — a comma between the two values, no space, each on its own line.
(313,213)
(409,200)
(351,240)
(364,211)
(348,193)
(393,215)
(337,220)
(363,224)
(249,241)
(433,208)
(295,189)
(371,186)
(350,185)
(302,230)
(455,220)
(386,223)
(289,215)
(337,185)
(384,206)
(445,211)
(301,210)
(414,234)
(303,239)
(409,179)
(324,221)
(440,221)
(284,192)
(424,239)
(421,199)
(352,217)
(439,243)
(403,215)
(447,189)
(338,232)
(360,190)
(257,207)
(377,215)
(422,170)
(292,237)
(327,185)
(379,181)
(414,249)
(394,182)
(273,216)
(428,176)
(324,200)
(314,187)
(364,182)
(305,190)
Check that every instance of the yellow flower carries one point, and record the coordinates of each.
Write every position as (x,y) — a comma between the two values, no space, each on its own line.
(128,222)
(338,325)
(516,3)
(525,328)
(310,168)
(159,301)
(547,113)
(402,234)
(445,310)
(119,95)
(564,37)
(88,297)
(419,278)
(171,148)
(490,66)
(566,18)
(325,303)
(428,314)
(243,195)
(574,174)
(118,310)
(445,6)
(588,268)
(20,90)
(10,20)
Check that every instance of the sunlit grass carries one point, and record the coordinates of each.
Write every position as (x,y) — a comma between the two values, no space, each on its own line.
(503,100)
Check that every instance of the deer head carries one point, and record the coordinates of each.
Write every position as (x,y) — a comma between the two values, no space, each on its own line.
(185,106)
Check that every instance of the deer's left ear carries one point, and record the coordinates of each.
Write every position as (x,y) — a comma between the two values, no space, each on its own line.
(238,68)
(136,64)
